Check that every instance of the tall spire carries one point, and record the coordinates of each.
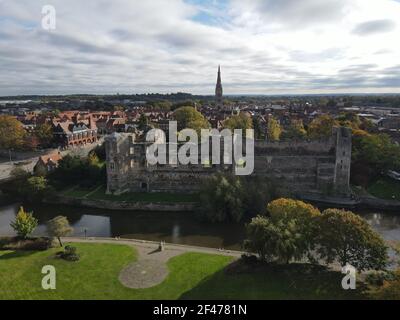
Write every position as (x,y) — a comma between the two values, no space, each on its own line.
(218,90)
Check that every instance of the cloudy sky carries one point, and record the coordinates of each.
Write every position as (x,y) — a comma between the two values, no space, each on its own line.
(263,46)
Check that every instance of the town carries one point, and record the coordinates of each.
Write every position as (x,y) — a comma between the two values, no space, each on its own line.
(200,150)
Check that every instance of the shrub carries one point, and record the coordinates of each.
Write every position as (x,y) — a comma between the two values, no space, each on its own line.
(33,244)
(24,223)
(69,254)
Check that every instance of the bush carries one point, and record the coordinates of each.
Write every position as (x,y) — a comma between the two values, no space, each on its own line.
(31,244)
(69,254)
(379,278)
(24,223)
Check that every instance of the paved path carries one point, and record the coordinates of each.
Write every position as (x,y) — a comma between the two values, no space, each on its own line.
(150,268)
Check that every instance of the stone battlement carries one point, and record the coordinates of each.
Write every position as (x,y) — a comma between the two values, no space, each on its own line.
(321,166)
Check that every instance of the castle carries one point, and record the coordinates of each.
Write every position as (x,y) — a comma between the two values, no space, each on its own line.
(299,166)
(321,167)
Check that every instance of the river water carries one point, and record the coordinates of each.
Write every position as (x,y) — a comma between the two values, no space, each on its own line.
(172,227)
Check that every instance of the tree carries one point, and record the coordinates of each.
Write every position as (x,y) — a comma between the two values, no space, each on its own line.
(24,223)
(241,121)
(59,227)
(272,240)
(321,127)
(189,117)
(44,133)
(12,133)
(347,238)
(221,198)
(35,188)
(295,131)
(300,216)
(258,134)
(143,122)
(373,155)
(273,129)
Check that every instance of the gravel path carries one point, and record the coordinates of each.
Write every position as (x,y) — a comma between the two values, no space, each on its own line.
(150,268)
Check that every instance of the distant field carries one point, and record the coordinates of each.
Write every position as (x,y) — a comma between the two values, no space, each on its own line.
(99,193)
(192,276)
(385,188)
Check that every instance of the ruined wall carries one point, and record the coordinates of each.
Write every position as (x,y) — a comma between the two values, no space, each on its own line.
(299,166)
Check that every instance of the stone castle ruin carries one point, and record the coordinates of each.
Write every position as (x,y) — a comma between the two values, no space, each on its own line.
(315,167)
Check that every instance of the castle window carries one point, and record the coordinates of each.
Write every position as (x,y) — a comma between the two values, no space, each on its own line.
(344,153)
(131,150)
(112,166)
(132,163)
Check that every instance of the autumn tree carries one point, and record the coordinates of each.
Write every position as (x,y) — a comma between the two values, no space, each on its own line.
(241,121)
(12,133)
(24,223)
(273,129)
(347,238)
(321,127)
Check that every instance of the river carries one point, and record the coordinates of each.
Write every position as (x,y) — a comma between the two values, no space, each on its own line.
(172,227)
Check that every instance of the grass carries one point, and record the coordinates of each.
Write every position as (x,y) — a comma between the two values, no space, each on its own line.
(192,276)
(99,193)
(385,188)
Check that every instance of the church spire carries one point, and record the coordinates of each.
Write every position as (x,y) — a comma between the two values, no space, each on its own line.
(218,90)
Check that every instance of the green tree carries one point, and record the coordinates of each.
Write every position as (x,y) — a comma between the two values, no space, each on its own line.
(24,223)
(35,188)
(189,117)
(44,133)
(272,240)
(295,131)
(372,156)
(59,227)
(143,122)
(274,129)
(241,121)
(347,238)
(221,199)
(258,134)
(300,216)
(12,133)
(321,127)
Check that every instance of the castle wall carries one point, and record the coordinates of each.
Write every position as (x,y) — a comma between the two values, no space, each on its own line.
(298,166)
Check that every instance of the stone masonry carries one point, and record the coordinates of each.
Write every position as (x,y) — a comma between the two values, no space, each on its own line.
(321,167)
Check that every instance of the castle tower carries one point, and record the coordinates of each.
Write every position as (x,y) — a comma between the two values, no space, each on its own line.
(218,91)
(343,160)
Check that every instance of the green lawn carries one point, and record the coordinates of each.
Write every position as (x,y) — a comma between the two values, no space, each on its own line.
(192,276)
(385,188)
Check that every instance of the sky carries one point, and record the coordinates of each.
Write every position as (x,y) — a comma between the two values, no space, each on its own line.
(165,46)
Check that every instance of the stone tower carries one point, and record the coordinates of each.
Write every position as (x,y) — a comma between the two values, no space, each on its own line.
(218,91)
(343,160)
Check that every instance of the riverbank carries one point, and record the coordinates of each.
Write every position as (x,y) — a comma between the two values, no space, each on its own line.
(362,202)
(122,205)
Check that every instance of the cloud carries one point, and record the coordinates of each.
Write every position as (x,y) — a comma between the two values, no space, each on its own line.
(133,46)
(374,27)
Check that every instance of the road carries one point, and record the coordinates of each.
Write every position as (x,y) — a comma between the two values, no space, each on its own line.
(28,160)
